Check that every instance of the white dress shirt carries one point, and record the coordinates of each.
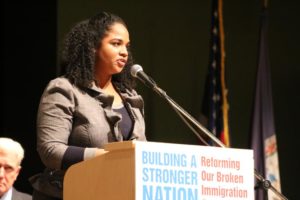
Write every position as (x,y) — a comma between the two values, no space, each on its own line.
(7,195)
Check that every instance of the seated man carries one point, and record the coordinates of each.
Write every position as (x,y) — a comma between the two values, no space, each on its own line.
(11,155)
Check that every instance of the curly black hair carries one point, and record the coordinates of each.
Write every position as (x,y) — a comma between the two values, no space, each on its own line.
(78,56)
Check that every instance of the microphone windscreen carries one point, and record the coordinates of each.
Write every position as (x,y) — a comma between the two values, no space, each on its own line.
(135,69)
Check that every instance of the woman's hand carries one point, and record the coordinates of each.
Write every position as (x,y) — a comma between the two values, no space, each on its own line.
(100,152)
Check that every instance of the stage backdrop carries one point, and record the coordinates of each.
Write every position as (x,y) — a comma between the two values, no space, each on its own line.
(170,39)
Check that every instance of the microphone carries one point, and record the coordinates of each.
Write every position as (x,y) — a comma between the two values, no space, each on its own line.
(137,72)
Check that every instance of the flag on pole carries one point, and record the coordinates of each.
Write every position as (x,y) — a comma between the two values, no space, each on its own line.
(263,138)
(215,105)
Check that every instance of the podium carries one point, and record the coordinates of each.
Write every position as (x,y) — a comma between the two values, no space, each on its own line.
(135,170)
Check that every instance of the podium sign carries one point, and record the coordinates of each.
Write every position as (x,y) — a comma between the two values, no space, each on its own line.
(134,170)
(188,172)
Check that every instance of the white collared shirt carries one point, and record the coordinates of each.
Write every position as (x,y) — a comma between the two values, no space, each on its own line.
(7,195)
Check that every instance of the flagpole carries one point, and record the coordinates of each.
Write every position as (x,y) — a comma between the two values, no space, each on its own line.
(265,3)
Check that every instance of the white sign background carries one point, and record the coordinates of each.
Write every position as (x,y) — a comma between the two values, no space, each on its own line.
(167,171)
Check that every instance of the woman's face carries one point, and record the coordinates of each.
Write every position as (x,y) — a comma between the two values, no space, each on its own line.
(112,54)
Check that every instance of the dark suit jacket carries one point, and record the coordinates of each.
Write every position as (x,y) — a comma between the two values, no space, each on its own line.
(16,195)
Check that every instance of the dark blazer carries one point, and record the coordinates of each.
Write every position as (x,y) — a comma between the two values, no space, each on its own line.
(16,195)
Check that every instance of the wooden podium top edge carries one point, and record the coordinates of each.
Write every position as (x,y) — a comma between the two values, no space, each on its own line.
(114,146)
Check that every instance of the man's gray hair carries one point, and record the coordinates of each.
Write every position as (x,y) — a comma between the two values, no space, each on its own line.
(12,145)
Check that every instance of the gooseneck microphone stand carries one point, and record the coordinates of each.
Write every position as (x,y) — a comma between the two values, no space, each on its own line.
(189,121)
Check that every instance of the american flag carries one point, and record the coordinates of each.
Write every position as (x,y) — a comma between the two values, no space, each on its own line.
(263,138)
(215,105)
